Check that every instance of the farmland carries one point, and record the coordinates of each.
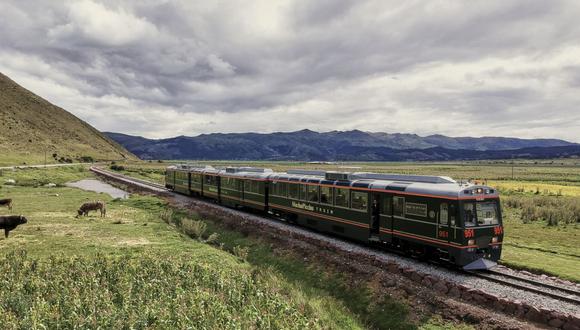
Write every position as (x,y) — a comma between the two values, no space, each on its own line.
(541,202)
(135,268)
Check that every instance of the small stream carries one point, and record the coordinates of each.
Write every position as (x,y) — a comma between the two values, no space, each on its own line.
(100,187)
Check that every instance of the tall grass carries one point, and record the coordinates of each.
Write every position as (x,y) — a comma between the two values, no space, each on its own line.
(148,291)
(554,210)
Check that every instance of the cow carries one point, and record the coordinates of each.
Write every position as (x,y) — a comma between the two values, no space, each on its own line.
(92,206)
(6,202)
(9,222)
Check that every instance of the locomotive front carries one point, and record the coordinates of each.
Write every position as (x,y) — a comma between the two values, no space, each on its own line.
(481,223)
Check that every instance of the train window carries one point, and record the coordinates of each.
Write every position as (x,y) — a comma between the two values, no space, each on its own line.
(486,213)
(274,189)
(359,200)
(312,194)
(303,192)
(229,183)
(326,195)
(341,197)
(452,214)
(399,206)
(210,180)
(282,189)
(252,187)
(195,178)
(293,191)
(386,205)
(468,214)
(443,214)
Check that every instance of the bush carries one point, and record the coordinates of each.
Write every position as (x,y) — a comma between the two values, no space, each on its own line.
(167,216)
(193,228)
(117,167)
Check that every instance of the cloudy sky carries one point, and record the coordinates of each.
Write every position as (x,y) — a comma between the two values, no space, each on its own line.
(162,68)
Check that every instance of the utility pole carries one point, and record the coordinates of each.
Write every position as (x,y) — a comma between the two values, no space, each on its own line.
(512,167)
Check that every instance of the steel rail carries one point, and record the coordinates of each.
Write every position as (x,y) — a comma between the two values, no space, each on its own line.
(528,288)
(535,282)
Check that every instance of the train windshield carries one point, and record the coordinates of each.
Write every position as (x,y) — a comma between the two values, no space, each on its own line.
(480,213)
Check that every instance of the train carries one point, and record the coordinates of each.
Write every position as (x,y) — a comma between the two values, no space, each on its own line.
(431,217)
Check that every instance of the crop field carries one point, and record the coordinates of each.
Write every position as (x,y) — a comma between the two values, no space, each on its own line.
(541,202)
(136,269)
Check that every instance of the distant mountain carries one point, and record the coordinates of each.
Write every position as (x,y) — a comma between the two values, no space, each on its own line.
(31,127)
(307,145)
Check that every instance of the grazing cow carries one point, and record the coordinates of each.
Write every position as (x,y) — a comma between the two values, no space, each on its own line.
(9,222)
(92,206)
(6,202)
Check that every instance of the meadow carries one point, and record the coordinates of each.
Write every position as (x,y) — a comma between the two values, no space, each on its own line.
(137,268)
(540,202)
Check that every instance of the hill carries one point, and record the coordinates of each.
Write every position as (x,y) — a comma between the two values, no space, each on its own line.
(307,145)
(31,126)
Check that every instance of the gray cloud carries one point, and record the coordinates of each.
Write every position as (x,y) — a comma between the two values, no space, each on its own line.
(163,68)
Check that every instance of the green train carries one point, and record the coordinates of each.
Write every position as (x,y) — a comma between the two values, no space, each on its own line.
(430,216)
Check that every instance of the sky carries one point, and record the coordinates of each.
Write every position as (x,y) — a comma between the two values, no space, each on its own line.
(160,68)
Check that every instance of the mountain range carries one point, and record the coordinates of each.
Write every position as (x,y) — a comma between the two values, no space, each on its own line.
(307,145)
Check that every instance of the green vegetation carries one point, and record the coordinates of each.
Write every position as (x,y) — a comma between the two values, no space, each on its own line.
(146,265)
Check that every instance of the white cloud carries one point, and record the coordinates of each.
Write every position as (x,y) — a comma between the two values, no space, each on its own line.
(163,68)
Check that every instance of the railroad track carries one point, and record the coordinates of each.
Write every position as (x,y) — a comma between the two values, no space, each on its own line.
(127,178)
(522,283)
(530,285)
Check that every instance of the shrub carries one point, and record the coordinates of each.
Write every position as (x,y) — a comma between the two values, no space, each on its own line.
(193,228)
(167,216)
(117,167)
(241,252)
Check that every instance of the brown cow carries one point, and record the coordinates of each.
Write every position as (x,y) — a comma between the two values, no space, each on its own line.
(9,222)
(92,206)
(6,202)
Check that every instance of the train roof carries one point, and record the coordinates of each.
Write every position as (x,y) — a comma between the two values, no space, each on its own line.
(403,183)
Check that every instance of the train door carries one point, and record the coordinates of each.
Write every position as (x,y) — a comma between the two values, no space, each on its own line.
(189,183)
(443,230)
(376,210)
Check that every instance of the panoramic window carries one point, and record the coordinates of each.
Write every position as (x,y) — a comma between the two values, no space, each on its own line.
(313,194)
(486,213)
(386,207)
(468,215)
(293,191)
(359,200)
(399,206)
(303,192)
(326,195)
(341,197)
(282,189)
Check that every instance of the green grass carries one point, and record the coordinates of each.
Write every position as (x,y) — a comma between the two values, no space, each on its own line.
(132,269)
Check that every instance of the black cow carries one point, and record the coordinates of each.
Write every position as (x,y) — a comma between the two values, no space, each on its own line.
(9,222)
(6,202)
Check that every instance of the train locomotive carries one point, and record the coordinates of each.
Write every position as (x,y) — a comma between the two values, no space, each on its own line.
(433,217)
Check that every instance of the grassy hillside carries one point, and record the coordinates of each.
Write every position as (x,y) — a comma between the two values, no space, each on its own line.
(31,127)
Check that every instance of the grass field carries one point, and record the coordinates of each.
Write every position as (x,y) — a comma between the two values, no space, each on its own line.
(536,245)
(132,269)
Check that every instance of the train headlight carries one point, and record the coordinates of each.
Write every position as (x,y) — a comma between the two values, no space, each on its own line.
(471,242)
(494,239)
